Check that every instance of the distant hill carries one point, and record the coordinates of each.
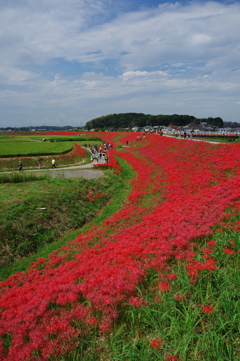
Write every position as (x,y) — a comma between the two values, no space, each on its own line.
(39,128)
(130,120)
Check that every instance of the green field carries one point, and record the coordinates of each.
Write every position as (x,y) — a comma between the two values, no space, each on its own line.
(28,145)
(217,139)
(24,148)
(11,149)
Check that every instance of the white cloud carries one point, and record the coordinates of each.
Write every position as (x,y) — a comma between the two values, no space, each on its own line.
(199,39)
(129,75)
(173,58)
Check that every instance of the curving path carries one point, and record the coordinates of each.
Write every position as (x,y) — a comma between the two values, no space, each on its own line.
(87,171)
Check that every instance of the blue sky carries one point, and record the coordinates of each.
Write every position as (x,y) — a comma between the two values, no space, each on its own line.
(67,62)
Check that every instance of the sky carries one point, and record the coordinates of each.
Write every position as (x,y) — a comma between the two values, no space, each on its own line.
(65,62)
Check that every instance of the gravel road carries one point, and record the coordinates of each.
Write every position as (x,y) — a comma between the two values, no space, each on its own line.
(87,171)
(67,173)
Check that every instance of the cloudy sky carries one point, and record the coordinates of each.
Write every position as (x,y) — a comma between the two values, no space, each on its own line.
(65,62)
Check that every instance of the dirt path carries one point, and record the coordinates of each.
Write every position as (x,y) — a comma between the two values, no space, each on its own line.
(87,171)
(73,173)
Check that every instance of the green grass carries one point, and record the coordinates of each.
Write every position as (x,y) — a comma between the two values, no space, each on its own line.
(35,213)
(217,139)
(7,164)
(186,333)
(21,177)
(47,137)
(66,138)
(21,203)
(28,148)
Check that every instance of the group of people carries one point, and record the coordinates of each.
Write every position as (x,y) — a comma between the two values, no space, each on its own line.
(20,165)
(100,152)
(184,134)
(97,155)
(97,152)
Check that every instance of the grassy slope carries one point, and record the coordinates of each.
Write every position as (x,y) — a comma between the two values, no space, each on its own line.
(120,188)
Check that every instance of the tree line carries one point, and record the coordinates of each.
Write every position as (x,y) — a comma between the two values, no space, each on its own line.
(130,120)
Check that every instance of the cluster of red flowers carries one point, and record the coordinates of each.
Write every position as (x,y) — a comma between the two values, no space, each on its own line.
(156,344)
(191,185)
(77,152)
(207,309)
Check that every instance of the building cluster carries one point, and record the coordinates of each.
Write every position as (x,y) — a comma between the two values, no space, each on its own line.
(203,127)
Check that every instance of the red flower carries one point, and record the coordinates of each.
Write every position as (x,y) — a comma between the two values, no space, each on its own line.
(207,309)
(172,276)
(228,251)
(137,301)
(156,344)
(164,286)
(212,243)
(92,320)
(104,326)
(179,297)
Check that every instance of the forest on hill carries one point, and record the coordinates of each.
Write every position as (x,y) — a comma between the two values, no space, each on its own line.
(130,120)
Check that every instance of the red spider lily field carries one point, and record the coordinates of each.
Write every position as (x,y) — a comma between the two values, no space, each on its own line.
(157,280)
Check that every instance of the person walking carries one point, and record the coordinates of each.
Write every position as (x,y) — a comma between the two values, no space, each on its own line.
(53,163)
(20,166)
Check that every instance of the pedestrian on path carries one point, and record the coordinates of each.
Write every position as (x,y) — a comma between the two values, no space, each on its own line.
(53,163)
(20,166)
